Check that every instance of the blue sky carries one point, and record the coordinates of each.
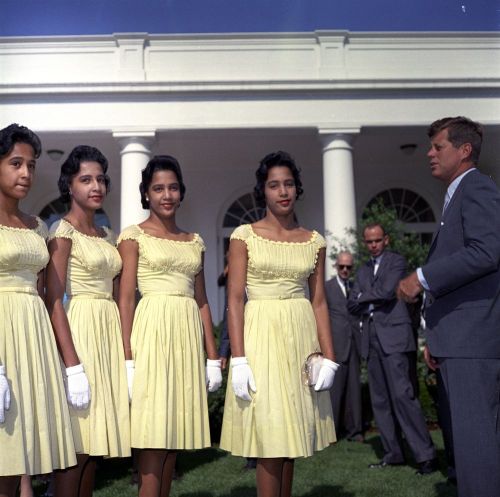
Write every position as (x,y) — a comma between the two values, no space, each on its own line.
(73,17)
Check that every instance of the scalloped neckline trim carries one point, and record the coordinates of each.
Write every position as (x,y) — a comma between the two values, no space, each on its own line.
(14,228)
(91,237)
(195,237)
(280,242)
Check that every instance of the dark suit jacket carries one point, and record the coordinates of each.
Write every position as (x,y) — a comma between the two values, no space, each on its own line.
(462,269)
(345,326)
(390,315)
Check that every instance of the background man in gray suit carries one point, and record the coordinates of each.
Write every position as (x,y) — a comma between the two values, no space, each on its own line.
(461,278)
(346,390)
(387,340)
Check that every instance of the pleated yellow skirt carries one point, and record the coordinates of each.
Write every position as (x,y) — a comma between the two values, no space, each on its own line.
(36,436)
(103,429)
(285,418)
(169,400)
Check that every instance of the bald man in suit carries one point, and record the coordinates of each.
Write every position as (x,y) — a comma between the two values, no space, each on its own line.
(346,391)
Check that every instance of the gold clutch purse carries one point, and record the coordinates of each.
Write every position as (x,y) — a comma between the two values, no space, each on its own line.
(311,368)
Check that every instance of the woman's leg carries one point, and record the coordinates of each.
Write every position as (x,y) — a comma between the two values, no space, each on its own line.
(168,472)
(8,485)
(25,488)
(287,478)
(269,475)
(151,464)
(67,481)
(87,479)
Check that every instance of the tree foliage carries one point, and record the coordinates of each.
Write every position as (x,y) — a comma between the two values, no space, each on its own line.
(406,244)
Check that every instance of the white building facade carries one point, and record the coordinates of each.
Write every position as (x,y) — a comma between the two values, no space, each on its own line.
(351,108)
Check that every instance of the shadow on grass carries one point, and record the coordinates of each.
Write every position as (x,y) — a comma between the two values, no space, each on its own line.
(109,470)
(189,460)
(376,444)
(249,491)
(328,491)
(242,491)
(444,489)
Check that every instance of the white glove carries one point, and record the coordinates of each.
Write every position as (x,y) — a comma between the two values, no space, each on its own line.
(326,375)
(4,394)
(213,374)
(77,387)
(130,367)
(242,378)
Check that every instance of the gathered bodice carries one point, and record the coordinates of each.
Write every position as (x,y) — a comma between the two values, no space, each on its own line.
(23,254)
(93,262)
(165,266)
(278,269)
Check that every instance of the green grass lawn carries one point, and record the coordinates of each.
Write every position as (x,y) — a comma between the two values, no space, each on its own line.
(339,471)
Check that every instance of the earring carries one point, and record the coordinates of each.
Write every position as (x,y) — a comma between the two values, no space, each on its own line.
(147,199)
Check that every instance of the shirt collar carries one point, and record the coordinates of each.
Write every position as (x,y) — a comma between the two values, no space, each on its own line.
(452,187)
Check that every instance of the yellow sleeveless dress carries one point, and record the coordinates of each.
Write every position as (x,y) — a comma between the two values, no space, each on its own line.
(36,436)
(103,429)
(169,399)
(285,418)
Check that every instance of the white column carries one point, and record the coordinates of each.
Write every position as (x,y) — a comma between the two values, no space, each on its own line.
(338,188)
(135,151)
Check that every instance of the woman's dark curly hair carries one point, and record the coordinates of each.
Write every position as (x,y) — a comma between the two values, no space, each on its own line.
(271,160)
(160,163)
(15,133)
(71,167)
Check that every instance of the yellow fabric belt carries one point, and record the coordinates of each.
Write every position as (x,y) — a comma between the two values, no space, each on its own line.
(285,296)
(19,289)
(168,294)
(103,296)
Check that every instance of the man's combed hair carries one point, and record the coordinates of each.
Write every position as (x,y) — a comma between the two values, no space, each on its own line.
(460,130)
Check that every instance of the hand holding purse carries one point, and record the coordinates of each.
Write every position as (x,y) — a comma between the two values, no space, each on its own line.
(326,375)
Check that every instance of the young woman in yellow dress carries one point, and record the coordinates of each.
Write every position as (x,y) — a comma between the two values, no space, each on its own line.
(165,335)
(84,264)
(35,432)
(270,413)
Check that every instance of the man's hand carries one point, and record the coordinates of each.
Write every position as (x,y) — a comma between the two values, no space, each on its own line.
(429,360)
(409,288)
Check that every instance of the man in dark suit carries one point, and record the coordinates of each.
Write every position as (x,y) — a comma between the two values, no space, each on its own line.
(386,343)
(461,278)
(346,391)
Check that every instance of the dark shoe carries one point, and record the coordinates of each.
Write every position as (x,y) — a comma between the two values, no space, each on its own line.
(357,438)
(384,464)
(427,467)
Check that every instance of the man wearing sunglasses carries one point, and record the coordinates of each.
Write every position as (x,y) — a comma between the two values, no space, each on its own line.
(346,391)
(387,341)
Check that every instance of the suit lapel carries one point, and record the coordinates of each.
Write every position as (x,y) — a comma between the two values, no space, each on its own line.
(339,288)
(446,214)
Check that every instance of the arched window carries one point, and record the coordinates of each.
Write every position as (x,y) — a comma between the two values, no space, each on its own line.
(57,209)
(242,211)
(413,211)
